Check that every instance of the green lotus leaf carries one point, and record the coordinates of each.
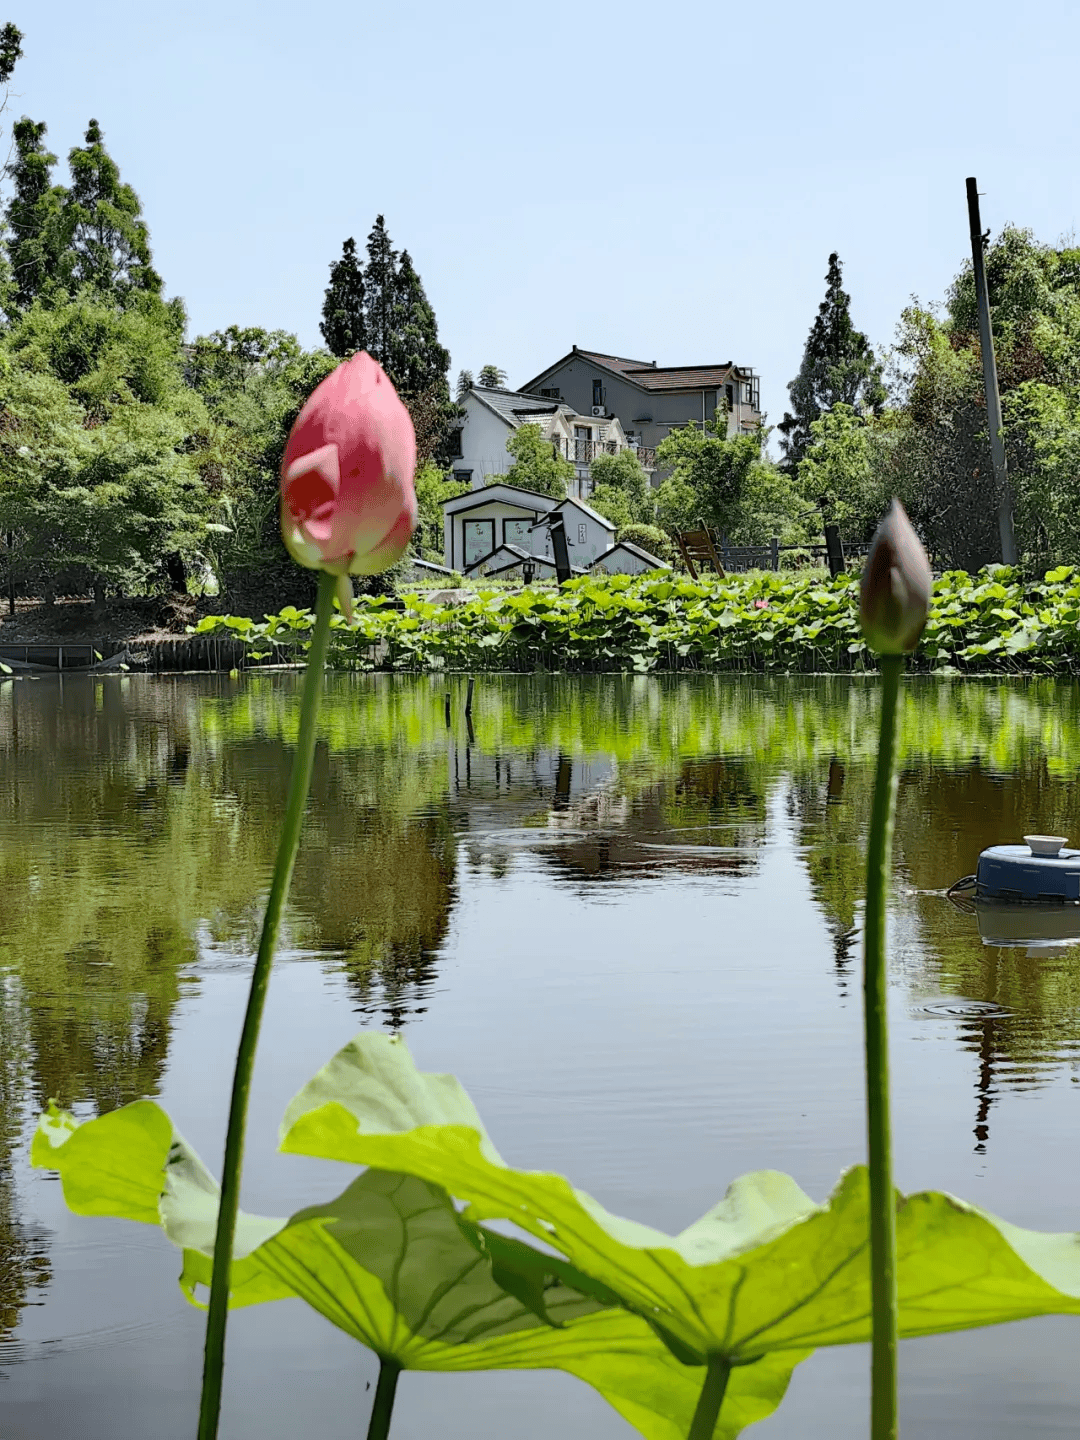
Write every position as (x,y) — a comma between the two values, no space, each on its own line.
(767,1269)
(392,1263)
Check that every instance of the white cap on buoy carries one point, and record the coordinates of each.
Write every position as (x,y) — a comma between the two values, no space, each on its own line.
(1045,844)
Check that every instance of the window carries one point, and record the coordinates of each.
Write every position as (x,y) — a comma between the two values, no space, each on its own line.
(465,476)
(456,451)
(551,393)
(597,392)
(479,539)
(729,393)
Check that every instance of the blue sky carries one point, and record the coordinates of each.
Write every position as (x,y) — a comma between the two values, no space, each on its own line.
(657,180)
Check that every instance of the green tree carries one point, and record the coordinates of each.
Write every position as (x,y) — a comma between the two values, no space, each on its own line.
(342,324)
(622,492)
(649,538)
(465,382)
(838,368)
(416,361)
(492,376)
(11,39)
(380,293)
(37,219)
(109,241)
(715,467)
(432,488)
(838,472)
(99,465)
(382,307)
(537,464)
(253,383)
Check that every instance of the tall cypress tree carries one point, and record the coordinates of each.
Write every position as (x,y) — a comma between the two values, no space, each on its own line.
(342,324)
(110,244)
(380,292)
(37,217)
(838,366)
(417,361)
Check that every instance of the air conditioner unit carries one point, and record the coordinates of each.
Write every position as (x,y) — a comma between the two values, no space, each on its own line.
(598,410)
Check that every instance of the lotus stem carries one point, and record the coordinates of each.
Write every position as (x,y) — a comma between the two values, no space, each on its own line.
(299,783)
(383,1408)
(707,1413)
(883,1411)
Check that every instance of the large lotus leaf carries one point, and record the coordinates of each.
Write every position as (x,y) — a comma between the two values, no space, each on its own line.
(766,1269)
(133,1164)
(392,1263)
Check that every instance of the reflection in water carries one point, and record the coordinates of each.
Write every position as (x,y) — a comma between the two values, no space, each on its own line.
(139,818)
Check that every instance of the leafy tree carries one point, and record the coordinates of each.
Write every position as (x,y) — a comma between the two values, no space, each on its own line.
(37,220)
(342,324)
(253,383)
(492,376)
(537,464)
(432,488)
(622,491)
(651,539)
(99,470)
(11,39)
(614,504)
(465,382)
(838,367)
(838,472)
(715,467)
(109,241)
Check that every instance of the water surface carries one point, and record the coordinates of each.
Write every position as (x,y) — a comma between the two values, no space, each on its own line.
(624,911)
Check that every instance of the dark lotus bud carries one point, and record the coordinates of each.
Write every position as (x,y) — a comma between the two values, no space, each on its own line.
(895,597)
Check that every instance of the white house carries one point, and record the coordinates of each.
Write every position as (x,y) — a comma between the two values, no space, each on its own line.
(491,417)
(481,522)
(588,533)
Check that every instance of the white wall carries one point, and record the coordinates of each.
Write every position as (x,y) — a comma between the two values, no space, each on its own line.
(483,442)
(461,541)
(586,538)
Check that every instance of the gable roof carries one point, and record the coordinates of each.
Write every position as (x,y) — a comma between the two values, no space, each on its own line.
(635,550)
(594,514)
(616,362)
(649,377)
(512,555)
(515,495)
(514,407)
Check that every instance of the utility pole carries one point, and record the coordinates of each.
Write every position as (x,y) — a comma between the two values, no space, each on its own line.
(993,399)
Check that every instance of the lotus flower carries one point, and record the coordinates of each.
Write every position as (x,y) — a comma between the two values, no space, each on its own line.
(896,583)
(347,498)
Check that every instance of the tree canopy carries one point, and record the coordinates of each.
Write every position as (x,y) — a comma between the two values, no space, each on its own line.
(537,464)
(381,306)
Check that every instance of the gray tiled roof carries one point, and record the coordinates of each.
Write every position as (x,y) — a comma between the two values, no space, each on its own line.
(516,407)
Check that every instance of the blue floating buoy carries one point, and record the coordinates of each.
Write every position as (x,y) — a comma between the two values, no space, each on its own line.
(1041,871)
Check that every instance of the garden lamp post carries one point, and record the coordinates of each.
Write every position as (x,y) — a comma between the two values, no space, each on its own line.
(528,570)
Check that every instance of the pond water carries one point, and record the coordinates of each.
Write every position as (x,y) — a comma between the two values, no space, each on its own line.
(623,911)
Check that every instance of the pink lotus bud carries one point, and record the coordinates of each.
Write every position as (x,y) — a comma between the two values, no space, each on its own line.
(347,498)
(896,583)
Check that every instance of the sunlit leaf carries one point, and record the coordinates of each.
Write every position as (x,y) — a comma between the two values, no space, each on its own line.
(766,1269)
(392,1263)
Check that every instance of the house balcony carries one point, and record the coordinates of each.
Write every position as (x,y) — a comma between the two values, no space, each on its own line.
(584,452)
